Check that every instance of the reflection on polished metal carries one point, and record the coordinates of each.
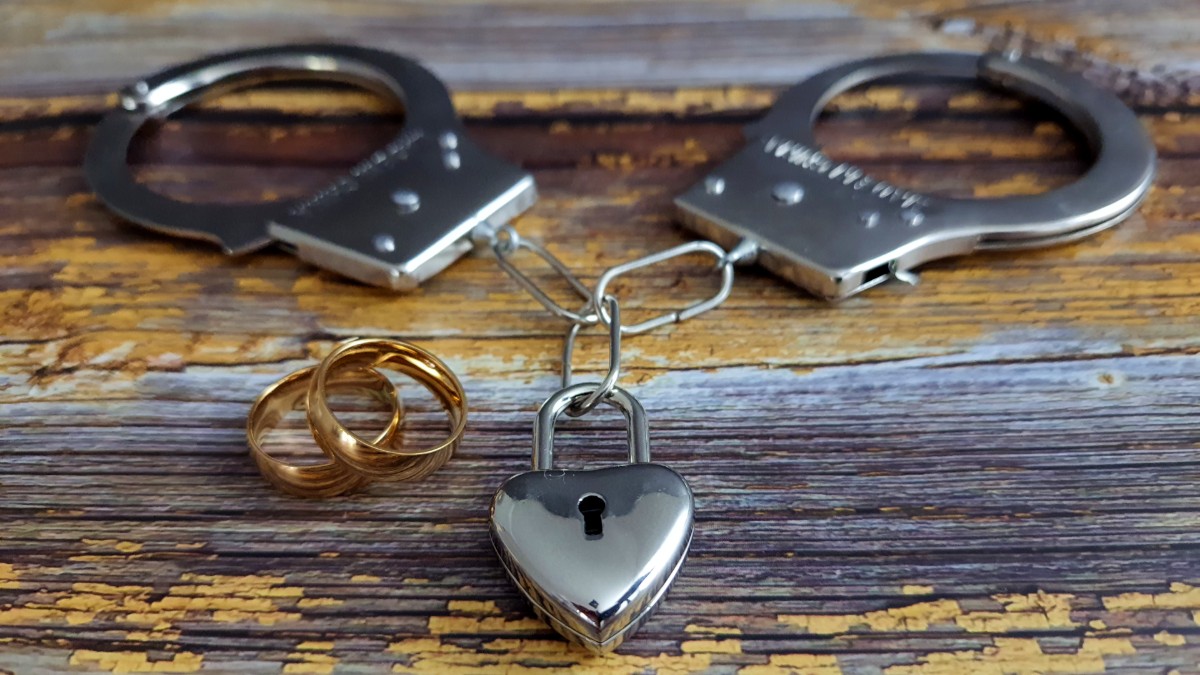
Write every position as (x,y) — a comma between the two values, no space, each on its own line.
(843,231)
(593,551)
(290,393)
(614,360)
(395,219)
(377,460)
(724,265)
(505,242)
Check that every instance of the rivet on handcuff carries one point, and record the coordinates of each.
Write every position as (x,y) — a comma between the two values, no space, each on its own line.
(593,551)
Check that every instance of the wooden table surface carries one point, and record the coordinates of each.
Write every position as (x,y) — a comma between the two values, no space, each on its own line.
(993,472)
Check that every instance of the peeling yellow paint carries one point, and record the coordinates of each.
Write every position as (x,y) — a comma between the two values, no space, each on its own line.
(1019,612)
(916,589)
(965,146)
(308,662)
(532,657)
(442,625)
(305,603)
(1018,655)
(1180,596)
(91,587)
(263,618)
(687,153)
(1170,639)
(365,579)
(1035,611)
(316,102)
(485,607)
(916,617)
(875,98)
(224,599)
(713,630)
(8,576)
(136,662)
(802,664)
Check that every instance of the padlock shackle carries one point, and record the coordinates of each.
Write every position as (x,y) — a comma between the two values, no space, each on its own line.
(557,404)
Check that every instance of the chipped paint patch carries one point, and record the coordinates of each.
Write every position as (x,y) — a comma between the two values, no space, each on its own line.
(136,662)
(477,607)
(305,603)
(516,657)
(916,617)
(1170,639)
(712,630)
(365,579)
(916,589)
(308,662)
(807,664)
(1180,596)
(1033,611)
(444,625)
(1018,655)
(230,599)
(8,576)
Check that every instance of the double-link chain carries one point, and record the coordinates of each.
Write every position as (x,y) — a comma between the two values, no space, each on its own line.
(600,307)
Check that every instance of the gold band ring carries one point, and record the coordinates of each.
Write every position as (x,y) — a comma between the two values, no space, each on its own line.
(290,393)
(380,459)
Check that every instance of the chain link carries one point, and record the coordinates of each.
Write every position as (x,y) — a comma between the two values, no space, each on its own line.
(505,243)
(613,310)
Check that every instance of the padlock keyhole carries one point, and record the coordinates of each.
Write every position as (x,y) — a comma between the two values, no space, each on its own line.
(592,507)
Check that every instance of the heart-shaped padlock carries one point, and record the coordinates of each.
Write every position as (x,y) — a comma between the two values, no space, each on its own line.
(593,551)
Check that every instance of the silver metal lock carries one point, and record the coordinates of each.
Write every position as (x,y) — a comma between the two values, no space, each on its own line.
(593,551)
(834,230)
(397,218)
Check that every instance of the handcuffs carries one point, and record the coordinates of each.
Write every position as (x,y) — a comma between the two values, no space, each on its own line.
(408,210)
(593,551)
(395,219)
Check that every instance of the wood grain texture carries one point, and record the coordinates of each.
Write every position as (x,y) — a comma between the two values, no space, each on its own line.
(993,472)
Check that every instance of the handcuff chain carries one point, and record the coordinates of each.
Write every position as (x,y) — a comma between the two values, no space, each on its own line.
(505,242)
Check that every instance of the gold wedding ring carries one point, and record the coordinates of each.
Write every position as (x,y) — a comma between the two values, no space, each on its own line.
(380,459)
(290,393)
(354,365)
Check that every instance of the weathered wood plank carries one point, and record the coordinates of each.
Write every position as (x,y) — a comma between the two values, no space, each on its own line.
(992,472)
(61,47)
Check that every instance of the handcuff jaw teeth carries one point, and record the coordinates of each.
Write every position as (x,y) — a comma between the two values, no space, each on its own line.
(834,230)
(397,218)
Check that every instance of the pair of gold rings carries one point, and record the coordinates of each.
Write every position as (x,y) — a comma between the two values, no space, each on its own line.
(354,461)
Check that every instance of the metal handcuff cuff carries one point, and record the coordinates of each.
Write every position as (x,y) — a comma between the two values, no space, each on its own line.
(594,551)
